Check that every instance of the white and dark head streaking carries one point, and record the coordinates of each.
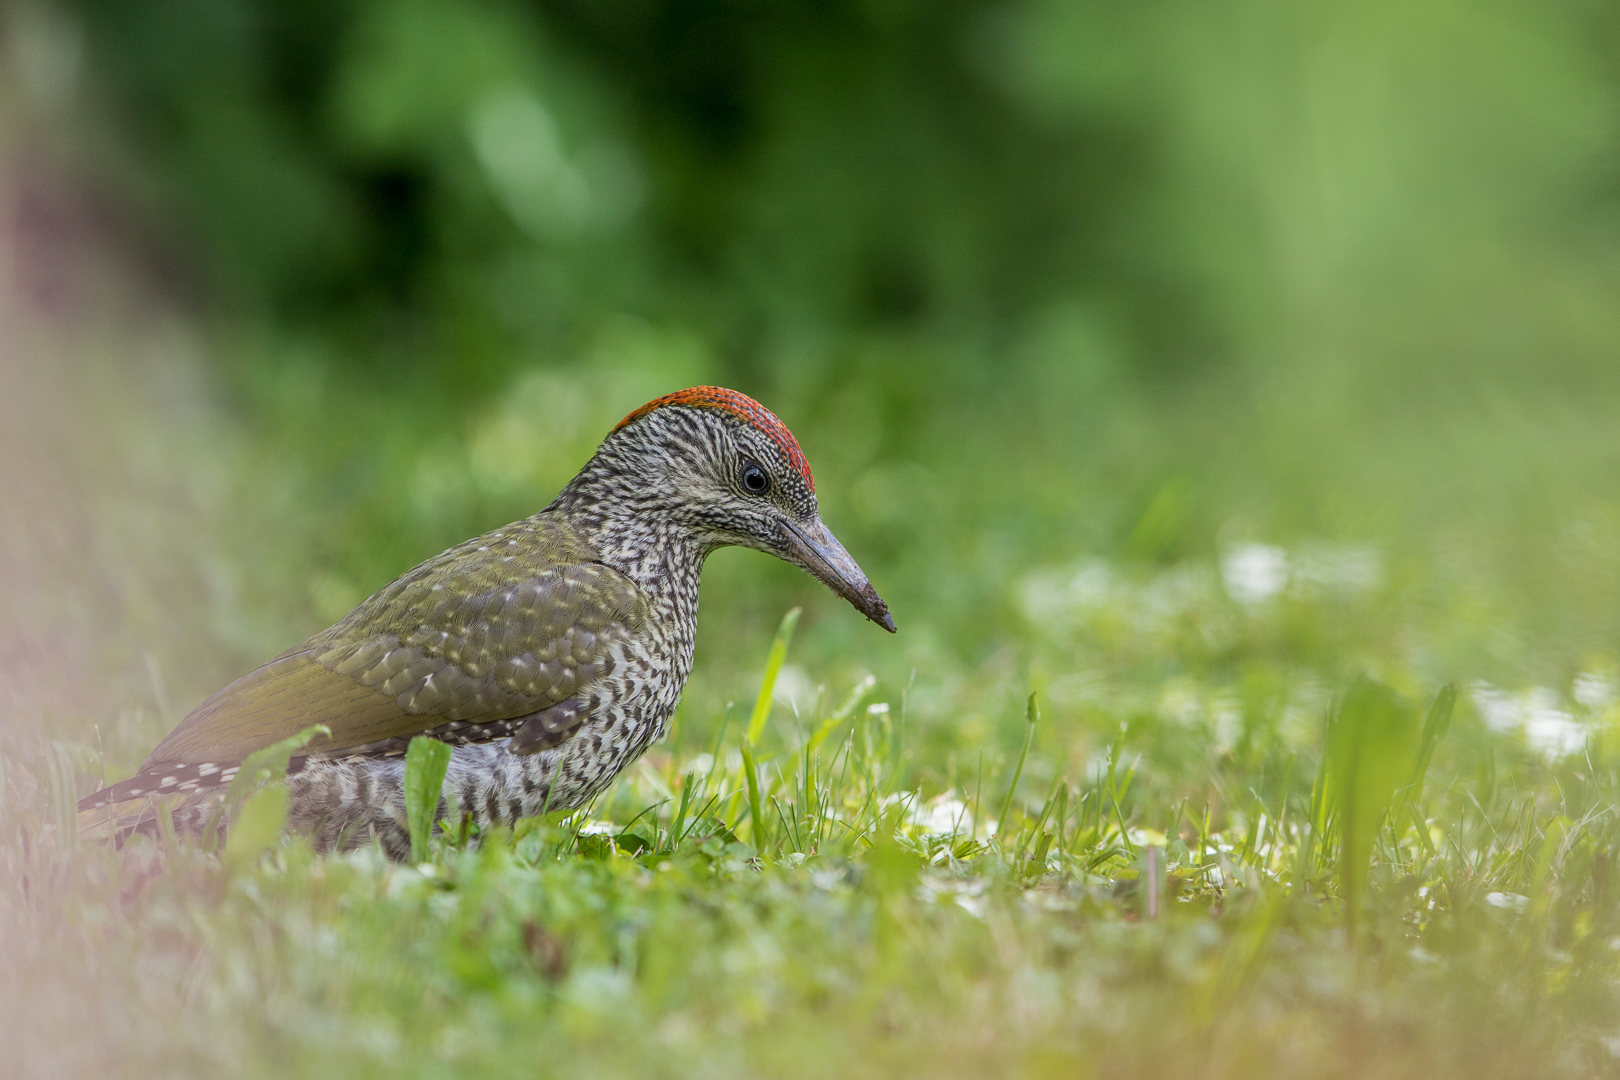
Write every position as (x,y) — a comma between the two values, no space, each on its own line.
(715,469)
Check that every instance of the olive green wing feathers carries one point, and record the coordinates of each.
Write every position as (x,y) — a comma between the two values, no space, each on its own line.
(465,647)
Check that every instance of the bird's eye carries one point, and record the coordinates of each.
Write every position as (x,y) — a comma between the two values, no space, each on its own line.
(754,480)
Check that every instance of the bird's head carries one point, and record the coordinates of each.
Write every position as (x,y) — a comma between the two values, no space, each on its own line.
(720,468)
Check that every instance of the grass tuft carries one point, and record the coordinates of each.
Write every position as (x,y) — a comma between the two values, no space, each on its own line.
(1386,888)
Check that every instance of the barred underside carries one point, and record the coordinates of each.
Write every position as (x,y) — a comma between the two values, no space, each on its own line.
(348,803)
(344,804)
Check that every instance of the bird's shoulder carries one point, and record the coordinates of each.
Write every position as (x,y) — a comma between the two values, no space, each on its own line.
(537,574)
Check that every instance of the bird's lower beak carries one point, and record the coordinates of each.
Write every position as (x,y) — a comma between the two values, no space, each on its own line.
(815,548)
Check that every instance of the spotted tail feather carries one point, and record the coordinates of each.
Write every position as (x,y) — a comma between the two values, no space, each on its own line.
(117,821)
(170,780)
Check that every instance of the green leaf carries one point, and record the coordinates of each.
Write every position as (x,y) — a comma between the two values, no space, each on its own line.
(256,826)
(711,828)
(595,846)
(269,763)
(1371,746)
(426,762)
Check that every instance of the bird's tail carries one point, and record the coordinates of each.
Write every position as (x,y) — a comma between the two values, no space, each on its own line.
(115,822)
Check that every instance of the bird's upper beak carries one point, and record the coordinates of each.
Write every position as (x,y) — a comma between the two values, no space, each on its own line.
(815,548)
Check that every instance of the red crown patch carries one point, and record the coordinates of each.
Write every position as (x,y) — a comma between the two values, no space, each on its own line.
(741,406)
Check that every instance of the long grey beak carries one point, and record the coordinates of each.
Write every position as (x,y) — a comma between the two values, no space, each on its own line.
(815,548)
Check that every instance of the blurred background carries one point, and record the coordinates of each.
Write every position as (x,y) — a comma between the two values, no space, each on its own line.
(1177,360)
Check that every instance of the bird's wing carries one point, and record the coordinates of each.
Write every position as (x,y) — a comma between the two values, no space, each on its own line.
(487,633)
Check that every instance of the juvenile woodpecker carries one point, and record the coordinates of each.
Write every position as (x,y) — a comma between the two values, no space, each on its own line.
(550,653)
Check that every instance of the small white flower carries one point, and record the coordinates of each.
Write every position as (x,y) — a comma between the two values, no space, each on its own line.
(1254,573)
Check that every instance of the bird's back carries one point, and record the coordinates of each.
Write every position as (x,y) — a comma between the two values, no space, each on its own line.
(467,647)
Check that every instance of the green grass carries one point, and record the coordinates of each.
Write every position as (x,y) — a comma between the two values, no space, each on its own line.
(1407,896)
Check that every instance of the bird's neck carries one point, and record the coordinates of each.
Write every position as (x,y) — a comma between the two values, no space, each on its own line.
(634,532)
(658,556)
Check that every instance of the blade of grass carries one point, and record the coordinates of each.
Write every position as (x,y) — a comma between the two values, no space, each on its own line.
(426,762)
(835,797)
(165,818)
(1435,727)
(688,781)
(651,808)
(719,742)
(755,804)
(845,710)
(698,817)
(897,776)
(773,666)
(789,828)
(64,805)
(1124,830)
(978,796)
(1061,814)
(1040,823)
(1081,829)
(1031,715)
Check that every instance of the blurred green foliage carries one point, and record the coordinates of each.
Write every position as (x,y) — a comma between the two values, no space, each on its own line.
(1072,192)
